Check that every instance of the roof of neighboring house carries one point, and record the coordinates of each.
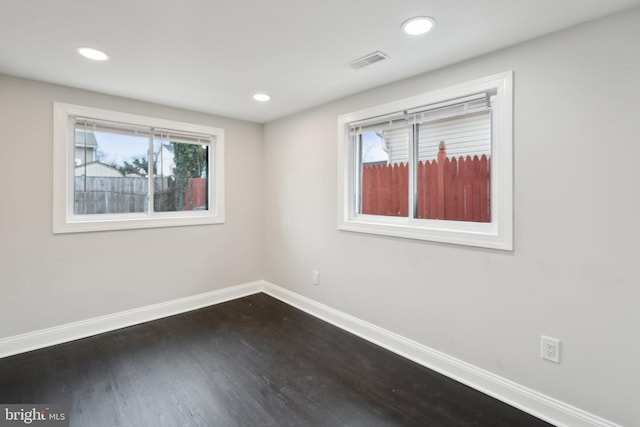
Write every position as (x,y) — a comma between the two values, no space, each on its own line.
(168,146)
(97,169)
(91,140)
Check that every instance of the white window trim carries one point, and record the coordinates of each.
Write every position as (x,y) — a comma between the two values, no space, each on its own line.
(498,234)
(64,219)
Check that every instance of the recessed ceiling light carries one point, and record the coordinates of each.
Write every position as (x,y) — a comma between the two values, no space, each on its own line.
(418,25)
(262,97)
(95,54)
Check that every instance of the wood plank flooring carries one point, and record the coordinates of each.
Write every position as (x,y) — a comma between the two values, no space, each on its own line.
(253,362)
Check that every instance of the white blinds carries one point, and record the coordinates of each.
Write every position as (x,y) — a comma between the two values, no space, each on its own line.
(182,137)
(387,122)
(463,124)
(467,105)
(93,125)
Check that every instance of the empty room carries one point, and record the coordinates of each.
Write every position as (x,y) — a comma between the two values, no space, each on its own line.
(320,213)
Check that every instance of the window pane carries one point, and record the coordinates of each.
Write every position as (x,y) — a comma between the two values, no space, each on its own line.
(181,182)
(384,172)
(110,172)
(454,168)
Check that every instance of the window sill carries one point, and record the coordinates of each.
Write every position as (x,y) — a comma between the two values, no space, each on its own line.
(135,221)
(452,232)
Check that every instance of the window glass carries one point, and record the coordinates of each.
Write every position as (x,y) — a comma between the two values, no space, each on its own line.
(181,182)
(384,172)
(111,172)
(454,168)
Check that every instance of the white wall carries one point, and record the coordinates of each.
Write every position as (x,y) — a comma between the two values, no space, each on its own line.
(574,272)
(48,280)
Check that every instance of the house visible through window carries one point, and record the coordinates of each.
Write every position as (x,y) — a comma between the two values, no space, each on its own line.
(433,167)
(135,173)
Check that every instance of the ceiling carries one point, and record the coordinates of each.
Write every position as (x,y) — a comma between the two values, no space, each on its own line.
(213,55)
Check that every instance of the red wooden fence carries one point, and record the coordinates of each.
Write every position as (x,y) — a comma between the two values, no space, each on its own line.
(457,189)
(196,193)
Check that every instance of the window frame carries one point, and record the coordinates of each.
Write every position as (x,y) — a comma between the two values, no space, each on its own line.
(64,218)
(497,234)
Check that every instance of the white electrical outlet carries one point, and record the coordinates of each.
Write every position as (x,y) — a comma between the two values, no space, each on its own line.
(316,277)
(550,349)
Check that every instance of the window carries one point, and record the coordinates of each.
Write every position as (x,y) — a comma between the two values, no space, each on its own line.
(437,166)
(116,170)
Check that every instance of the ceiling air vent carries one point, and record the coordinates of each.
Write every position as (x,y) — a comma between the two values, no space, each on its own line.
(372,58)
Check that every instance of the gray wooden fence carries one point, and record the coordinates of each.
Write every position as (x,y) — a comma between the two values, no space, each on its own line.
(105,195)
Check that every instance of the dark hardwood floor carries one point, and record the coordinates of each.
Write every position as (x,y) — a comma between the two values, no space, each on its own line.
(252,362)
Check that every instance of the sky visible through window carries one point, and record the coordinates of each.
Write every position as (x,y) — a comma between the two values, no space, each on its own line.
(373,148)
(112,150)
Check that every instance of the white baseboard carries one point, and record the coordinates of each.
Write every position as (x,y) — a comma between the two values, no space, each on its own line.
(85,328)
(530,401)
